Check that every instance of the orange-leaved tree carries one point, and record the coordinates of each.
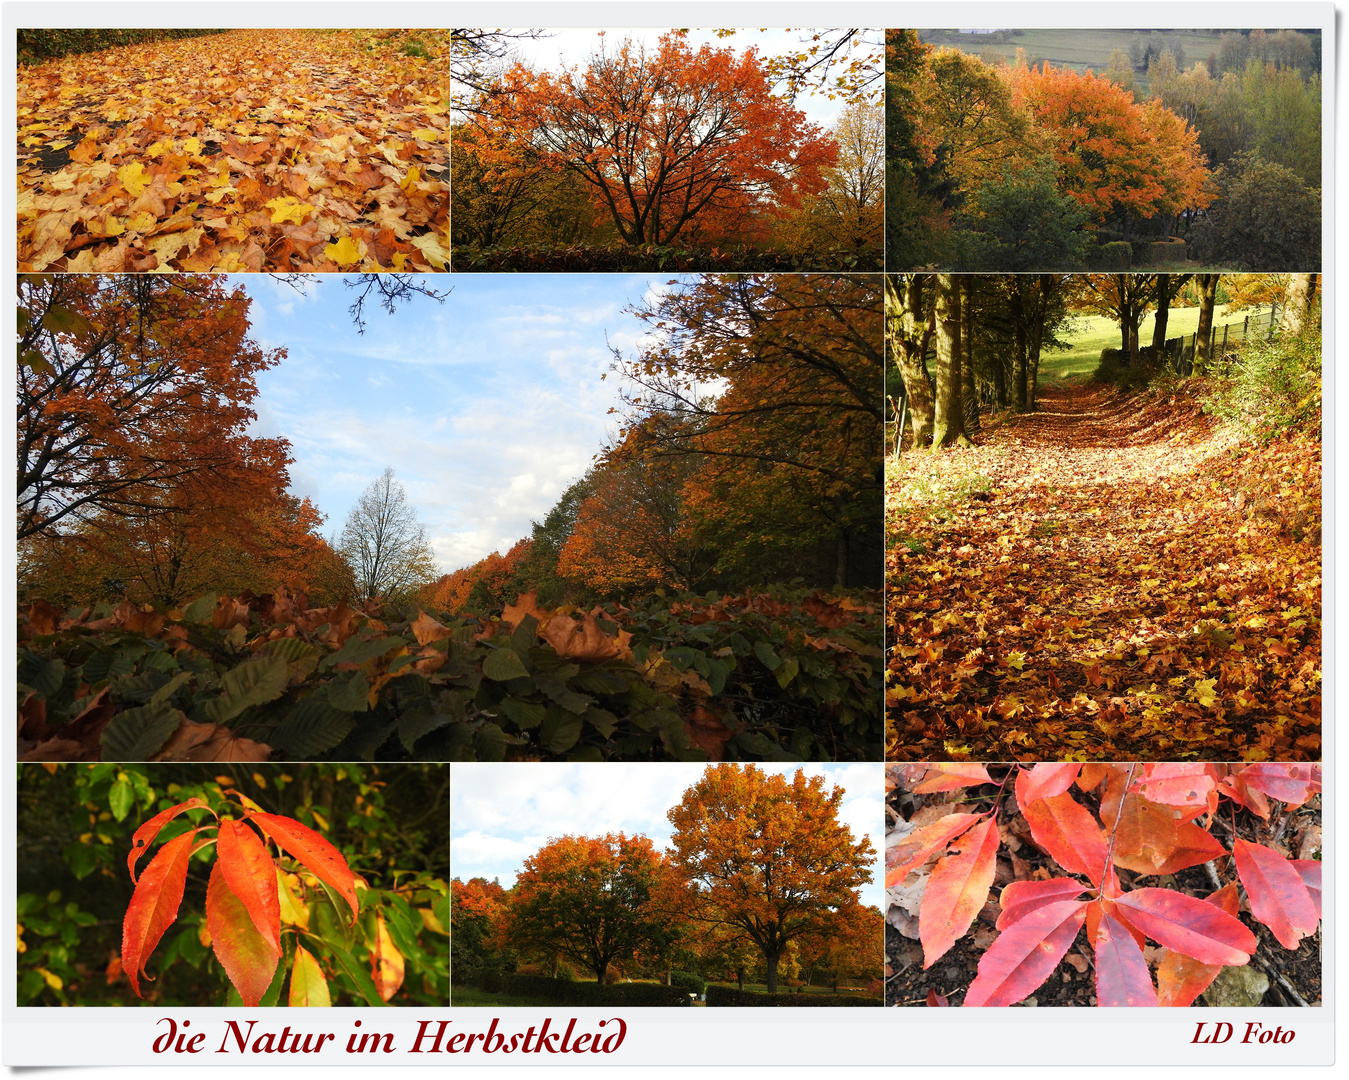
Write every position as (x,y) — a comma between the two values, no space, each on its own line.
(591,899)
(765,858)
(248,906)
(127,386)
(673,143)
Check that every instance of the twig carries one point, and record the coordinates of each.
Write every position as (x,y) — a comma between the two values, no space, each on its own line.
(1278,977)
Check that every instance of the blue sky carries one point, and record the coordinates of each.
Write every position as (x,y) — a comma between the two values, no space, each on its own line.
(486,406)
(501,813)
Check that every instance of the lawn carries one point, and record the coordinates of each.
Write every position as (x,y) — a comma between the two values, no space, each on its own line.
(1088,336)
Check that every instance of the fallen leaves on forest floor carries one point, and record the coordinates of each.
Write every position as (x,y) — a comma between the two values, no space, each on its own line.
(1132,584)
(277,150)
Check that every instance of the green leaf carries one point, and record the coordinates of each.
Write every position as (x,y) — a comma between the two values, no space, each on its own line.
(561,693)
(787,672)
(766,655)
(526,714)
(356,972)
(64,320)
(200,609)
(361,650)
(559,731)
(504,665)
(413,725)
(350,694)
(254,682)
(490,742)
(311,727)
(138,734)
(121,798)
(682,657)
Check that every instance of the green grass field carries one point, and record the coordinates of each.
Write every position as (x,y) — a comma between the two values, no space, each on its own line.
(1076,49)
(1088,336)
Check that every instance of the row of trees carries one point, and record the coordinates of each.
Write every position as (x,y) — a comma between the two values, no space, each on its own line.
(1025,166)
(665,146)
(957,340)
(760,875)
(750,453)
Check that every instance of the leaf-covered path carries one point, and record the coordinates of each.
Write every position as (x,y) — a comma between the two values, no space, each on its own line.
(278,150)
(1112,577)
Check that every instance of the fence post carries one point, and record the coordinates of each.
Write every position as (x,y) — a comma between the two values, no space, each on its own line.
(1224,338)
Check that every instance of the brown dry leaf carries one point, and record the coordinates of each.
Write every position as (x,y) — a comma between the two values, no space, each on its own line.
(527,604)
(426,630)
(586,641)
(210,742)
(707,732)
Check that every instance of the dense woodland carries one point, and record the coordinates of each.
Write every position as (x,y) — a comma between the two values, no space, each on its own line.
(660,155)
(1021,165)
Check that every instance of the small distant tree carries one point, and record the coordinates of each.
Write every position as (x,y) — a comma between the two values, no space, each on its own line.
(385,543)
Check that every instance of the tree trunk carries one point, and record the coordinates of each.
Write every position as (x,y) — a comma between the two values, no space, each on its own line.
(1019,381)
(1208,295)
(771,978)
(908,333)
(1297,301)
(1163,313)
(969,398)
(948,420)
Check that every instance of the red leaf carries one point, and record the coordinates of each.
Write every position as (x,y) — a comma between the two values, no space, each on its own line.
(1043,781)
(1180,784)
(1276,891)
(956,891)
(251,876)
(1020,898)
(323,860)
(936,1000)
(1309,870)
(1188,925)
(154,905)
(1121,972)
(1151,838)
(916,848)
(245,954)
(1180,979)
(1292,784)
(143,837)
(1024,955)
(1067,831)
(949,777)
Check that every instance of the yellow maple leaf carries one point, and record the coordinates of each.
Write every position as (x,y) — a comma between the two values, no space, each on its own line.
(344,252)
(427,134)
(430,247)
(410,181)
(288,208)
(141,222)
(192,145)
(134,178)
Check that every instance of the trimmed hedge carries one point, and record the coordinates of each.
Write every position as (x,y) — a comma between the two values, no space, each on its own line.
(564,992)
(729,996)
(1113,256)
(50,44)
(622,257)
(687,980)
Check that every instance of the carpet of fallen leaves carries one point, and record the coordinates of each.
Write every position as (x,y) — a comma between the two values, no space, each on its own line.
(1132,584)
(276,150)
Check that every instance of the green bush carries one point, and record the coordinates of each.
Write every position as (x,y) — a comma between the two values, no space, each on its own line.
(727,996)
(1270,387)
(687,980)
(1114,369)
(614,258)
(1117,255)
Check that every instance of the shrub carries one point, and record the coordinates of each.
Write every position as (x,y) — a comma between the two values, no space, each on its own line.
(1273,386)
(1117,255)
(1115,369)
(49,44)
(687,980)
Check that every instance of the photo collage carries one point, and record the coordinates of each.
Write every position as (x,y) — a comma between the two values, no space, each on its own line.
(532,526)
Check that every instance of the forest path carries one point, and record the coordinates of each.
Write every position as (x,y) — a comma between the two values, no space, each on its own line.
(1130,584)
(251,150)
